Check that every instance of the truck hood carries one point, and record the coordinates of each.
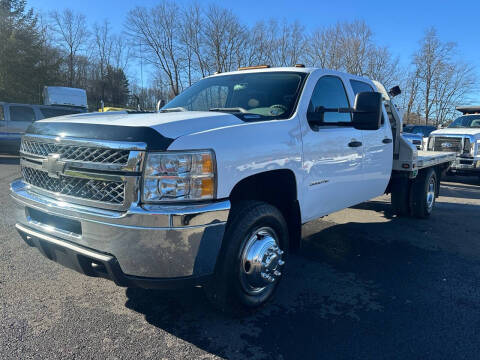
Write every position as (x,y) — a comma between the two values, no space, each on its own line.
(457,131)
(172,125)
(411,136)
(157,130)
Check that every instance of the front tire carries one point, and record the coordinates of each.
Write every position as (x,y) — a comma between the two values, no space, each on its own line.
(250,264)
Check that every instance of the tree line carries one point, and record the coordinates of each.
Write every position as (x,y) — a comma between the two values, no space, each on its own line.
(59,49)
(180,44)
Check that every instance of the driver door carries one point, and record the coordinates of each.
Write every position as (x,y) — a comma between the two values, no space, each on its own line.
(332,154)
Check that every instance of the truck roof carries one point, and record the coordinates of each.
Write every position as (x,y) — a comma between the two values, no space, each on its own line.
(307,70)
(469,110)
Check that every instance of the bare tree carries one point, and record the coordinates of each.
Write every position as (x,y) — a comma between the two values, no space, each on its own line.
(290,44)
(103,46)
(350,47)
(225,38)
(324,50)
(430,61)
(443,81)
(457,82)
(192,36)
(158,32)
(381,65)
(411,94)
(356,44)
(103,51)
(259,45)
(72,36)
(121,52)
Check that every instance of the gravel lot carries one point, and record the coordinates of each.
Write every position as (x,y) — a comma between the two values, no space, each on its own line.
(366,285)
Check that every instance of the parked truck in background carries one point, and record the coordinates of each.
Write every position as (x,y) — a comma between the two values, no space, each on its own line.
(213,190)
(418,134)
(16,118)
(462,136)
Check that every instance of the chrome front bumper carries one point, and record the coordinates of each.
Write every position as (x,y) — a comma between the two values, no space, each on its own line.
(466,165)
(161,242)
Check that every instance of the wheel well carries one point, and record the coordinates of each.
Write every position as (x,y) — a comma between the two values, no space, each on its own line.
(278,188)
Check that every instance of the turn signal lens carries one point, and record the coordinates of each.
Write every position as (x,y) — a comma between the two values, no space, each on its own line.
(207,165)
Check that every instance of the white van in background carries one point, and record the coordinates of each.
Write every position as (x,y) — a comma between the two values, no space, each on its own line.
(16,118)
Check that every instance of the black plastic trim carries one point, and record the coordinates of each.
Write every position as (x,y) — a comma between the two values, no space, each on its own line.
(154,140)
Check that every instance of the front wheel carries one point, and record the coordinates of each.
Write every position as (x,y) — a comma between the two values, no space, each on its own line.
(252,258)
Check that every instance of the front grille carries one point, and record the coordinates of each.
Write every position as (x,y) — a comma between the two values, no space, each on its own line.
(106,191)
(451,144)
(76,152)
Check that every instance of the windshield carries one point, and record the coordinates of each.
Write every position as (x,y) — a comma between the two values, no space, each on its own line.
(268,95)
(470,121)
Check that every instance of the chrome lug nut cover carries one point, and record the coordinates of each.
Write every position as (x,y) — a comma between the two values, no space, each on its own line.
(261,261)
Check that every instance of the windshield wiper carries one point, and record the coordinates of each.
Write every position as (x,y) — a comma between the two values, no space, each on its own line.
(230,110)
(174,109)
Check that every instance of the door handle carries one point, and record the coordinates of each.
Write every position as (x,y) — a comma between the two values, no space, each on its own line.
(387,141)
(355,143)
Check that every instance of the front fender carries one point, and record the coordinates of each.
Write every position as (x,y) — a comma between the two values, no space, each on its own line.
(248,149)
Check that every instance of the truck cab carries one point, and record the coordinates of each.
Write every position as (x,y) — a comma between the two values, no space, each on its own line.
(214,188)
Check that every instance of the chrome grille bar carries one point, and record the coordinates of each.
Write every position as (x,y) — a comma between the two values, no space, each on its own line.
(105,191)
(73,152)
(447,143)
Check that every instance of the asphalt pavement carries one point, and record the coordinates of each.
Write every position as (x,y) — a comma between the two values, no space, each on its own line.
(365,285)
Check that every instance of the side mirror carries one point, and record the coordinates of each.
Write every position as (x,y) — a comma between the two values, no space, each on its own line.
(394,91)
(367,113)
(316,117)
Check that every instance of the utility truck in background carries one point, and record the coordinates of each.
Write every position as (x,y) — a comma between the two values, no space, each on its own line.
(214,188)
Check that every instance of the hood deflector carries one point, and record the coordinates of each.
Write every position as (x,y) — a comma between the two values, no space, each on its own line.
(154,140)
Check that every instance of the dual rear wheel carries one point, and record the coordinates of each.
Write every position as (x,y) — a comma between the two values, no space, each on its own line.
(415,197)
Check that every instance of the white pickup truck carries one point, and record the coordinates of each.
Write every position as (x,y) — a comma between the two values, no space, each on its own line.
(462,136)
(213,189)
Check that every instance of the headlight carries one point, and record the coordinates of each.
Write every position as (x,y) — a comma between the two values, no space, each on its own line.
(179,176)
(467,146)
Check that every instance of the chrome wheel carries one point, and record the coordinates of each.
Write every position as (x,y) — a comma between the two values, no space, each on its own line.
(260,262)
(431,193)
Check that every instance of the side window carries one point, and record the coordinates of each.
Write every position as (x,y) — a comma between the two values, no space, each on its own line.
(2,114)
(330,93)
(211,97)
(360,86)
(22,113)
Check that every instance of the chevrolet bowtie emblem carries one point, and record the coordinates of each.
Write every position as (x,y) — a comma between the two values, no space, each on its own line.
(53,165)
